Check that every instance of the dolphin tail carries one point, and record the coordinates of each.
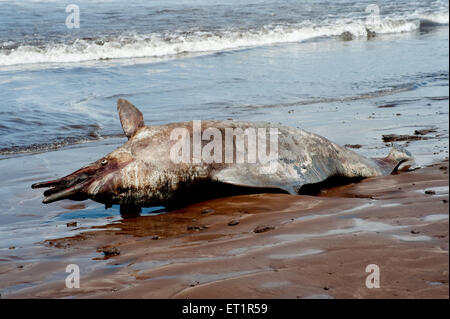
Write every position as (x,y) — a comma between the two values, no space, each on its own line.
(402,159)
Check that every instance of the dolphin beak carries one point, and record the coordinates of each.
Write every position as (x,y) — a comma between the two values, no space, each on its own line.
(71,186)
(65,193)
(46,184)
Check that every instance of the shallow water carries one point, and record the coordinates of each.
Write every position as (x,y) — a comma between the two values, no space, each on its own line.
(280,61)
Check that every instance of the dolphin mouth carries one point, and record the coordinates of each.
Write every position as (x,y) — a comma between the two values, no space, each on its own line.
(72,186)
(73,192)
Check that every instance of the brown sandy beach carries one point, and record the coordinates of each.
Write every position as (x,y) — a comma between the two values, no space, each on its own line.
(371,77)
(260,246)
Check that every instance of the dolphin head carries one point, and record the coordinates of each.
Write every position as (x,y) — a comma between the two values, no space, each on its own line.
(101,180)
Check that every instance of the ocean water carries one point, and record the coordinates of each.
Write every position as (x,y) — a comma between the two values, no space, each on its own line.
(197,59)
(335,68)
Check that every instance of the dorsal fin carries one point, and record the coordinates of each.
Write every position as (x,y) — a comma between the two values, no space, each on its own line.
(130,117)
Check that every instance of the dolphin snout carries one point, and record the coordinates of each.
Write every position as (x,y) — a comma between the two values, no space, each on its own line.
(71,186)
(70,192)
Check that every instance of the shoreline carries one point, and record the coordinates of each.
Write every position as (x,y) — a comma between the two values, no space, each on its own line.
(259,246)
(364,77)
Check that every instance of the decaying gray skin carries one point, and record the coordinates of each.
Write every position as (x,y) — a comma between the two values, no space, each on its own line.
(140,173)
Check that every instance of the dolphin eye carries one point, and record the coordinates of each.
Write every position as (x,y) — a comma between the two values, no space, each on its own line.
(104,161)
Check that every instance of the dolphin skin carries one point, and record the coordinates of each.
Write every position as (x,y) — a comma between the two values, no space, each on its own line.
(142,172)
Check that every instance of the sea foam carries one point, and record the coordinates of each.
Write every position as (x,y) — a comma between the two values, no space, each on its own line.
(173,43)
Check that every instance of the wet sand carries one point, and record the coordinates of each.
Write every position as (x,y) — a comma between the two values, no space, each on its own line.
(258,246)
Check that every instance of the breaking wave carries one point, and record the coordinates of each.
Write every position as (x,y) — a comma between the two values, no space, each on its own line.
(166,44)
(434,19)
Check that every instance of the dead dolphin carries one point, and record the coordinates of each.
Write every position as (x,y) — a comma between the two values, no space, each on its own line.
(142,172)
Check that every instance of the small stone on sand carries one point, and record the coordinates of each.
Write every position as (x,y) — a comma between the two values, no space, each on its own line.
(233,222)
(353,145)
(111,251)
(197,227)
(262,229)
(424,131)
(398,138)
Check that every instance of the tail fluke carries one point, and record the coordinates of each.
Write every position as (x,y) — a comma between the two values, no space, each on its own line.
(405,161)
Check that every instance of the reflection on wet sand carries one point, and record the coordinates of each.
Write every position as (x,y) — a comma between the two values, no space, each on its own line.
(312,247)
